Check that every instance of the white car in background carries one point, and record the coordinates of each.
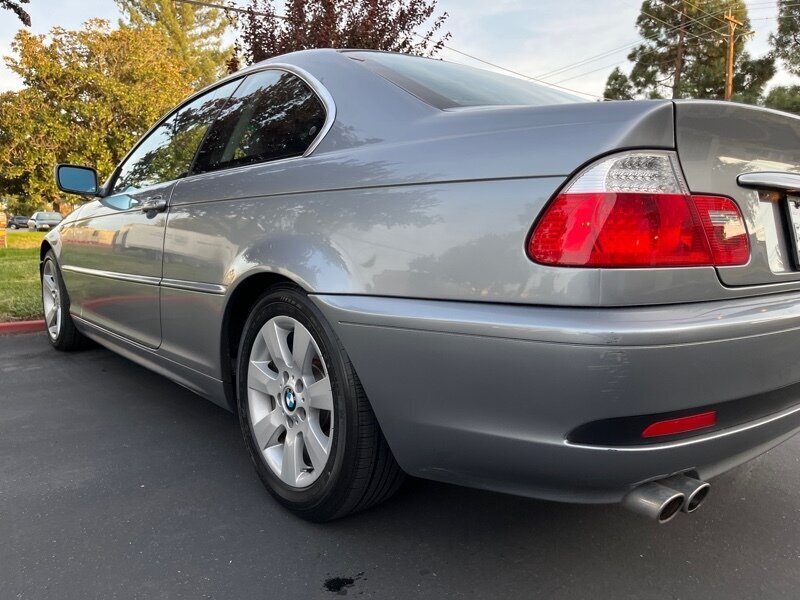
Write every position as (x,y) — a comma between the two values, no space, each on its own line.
(44,221)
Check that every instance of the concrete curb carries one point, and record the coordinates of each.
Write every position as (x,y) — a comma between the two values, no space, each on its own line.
(21,327)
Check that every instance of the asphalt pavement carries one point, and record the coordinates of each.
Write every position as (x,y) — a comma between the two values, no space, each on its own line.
(116,483)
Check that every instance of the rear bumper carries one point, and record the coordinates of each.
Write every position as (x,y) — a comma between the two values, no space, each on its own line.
(485,395)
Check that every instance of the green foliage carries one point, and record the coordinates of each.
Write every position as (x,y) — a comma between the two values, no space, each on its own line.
(194,32)
(750,77)
(19,277)
(786,41)
(19,205)
(693,63)
(784,98)
(88,96)
(618,87)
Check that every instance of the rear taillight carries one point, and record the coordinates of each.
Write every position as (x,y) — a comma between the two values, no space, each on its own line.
(634,210)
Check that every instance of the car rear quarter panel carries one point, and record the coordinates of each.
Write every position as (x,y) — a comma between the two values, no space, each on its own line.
(442,211)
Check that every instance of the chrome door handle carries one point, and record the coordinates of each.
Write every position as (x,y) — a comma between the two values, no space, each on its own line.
(154,204)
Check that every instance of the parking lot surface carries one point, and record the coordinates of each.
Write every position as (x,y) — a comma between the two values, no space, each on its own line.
(116,483)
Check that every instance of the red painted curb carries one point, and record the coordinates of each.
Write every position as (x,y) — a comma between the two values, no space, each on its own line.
(21,327)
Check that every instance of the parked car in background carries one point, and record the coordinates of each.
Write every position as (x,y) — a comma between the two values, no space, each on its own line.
(388,264)
(42,221)
(17,222)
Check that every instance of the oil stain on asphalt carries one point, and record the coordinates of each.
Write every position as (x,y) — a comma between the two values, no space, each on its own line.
(340,585)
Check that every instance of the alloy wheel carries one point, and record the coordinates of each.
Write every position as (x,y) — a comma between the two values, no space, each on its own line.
(290,401)
(51,299)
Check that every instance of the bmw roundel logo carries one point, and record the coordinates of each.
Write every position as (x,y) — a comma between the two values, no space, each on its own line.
(289,399)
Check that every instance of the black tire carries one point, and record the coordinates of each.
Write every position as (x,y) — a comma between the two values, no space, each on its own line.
(360,470)
(68,338)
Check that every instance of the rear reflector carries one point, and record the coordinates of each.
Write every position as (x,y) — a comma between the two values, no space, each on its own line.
(634,210)
(681,425)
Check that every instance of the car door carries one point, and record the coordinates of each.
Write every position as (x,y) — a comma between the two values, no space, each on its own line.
(112,254)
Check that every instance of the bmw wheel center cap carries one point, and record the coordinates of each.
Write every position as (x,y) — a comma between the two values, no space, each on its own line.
(289,399)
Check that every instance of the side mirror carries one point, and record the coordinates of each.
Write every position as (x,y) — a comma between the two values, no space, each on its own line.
(77,180)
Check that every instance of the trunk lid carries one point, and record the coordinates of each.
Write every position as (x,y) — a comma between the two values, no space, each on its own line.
(717,142)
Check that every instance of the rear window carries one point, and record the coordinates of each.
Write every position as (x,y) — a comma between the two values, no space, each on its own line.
(449,85)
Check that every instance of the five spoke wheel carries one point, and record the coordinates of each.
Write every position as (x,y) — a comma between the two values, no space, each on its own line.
(51,299)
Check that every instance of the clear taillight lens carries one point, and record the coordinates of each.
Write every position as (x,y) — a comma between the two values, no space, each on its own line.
(634,210)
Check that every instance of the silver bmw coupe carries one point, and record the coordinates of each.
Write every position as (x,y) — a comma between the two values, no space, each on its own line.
(386,264)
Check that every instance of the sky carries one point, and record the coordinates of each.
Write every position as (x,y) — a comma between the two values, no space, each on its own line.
(533,37)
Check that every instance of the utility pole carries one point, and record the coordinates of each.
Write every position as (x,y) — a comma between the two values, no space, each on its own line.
(733,23)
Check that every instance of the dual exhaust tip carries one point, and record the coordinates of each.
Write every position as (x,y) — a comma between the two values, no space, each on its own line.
(662,500)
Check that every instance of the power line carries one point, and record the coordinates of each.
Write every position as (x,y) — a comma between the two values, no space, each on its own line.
(592,58)
(646,53)
(517,73)
(709,14)
(583,73)
(655,18)
(683,14)
(461,52)
(570,66)
(244,11)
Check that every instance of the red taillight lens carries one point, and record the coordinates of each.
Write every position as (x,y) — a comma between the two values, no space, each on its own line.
(725,230)
(634,229)
(681,425)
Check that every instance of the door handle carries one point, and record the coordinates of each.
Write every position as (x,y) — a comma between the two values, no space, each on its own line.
(154,204)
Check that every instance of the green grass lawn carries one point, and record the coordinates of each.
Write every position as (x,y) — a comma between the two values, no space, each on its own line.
(19,277)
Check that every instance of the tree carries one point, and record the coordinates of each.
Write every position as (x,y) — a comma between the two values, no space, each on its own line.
(370,24)
(19,205)
(87,96)
(784,98)
(195,33)
(750,77)
(618,87)
(684,52)
(786,41)
(15,6)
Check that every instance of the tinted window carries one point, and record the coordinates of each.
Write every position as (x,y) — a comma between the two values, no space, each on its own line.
(449,85)
(167,153)
(273,115)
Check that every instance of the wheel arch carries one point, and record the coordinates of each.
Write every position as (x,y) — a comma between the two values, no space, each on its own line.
(240,300)
(44,248)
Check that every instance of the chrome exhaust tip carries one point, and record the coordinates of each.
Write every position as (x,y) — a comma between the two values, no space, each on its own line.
(655,501)
(694,490)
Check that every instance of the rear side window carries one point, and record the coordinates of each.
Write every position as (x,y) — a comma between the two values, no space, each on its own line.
(167,152)
(273,115)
